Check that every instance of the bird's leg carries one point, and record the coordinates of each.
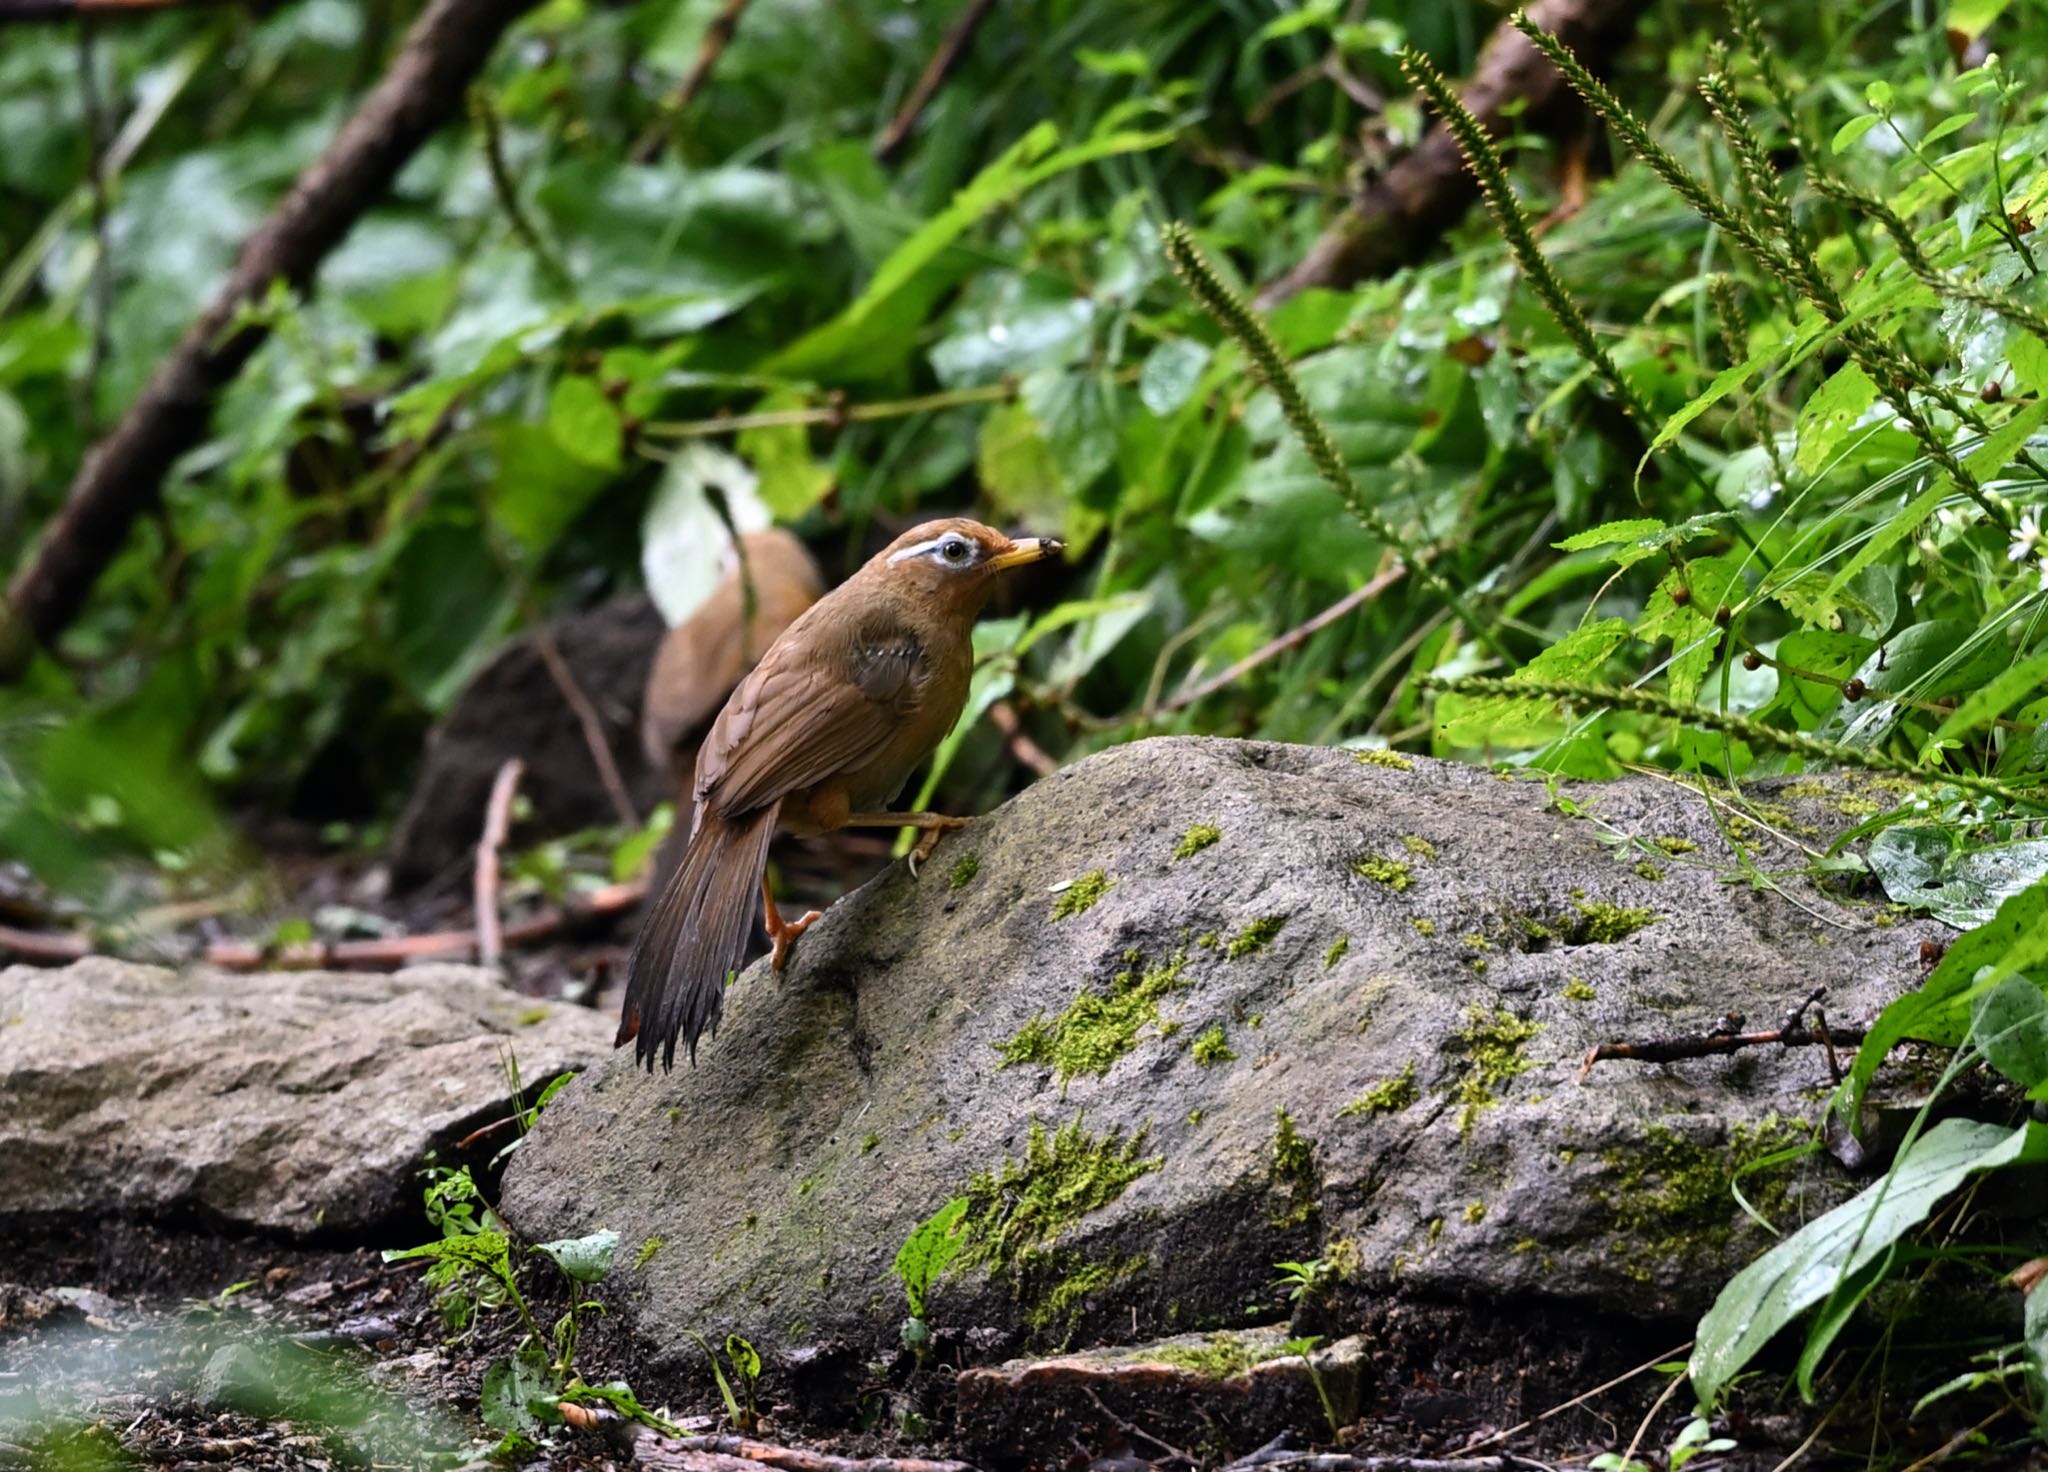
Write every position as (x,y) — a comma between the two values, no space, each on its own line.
(935,826)
(780,931)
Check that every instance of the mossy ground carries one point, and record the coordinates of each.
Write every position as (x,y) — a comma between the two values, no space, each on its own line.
(1098,1028)
(1392,760)
(1210,1049)
(1024,1205)
(1336,950)
(964,871)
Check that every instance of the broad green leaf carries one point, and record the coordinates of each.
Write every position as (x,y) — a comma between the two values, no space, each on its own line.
(1725,382)
(584,422)
(1171,371)
(2010,1027)
(1808,1266)
(516,1391)
(745,1358)
(1831,413)
(1973,17)
(2013,940)
(586,1259)
(1923,661)
(1077,610)
(2006,441)
(1017,467)
(1952,124)
(1502,720)
(931,1245)
(2029,358)
(1935,867)
(1881,542)
(789,480)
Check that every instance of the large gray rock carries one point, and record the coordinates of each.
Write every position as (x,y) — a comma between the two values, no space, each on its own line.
(1343,1021)
(293,1102)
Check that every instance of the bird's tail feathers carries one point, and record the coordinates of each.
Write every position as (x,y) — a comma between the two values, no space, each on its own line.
(695,938)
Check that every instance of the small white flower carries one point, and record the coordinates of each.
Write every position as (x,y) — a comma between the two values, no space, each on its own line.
(2026,536)
(2044,572)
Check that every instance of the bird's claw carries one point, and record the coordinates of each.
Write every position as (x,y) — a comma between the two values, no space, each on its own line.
(783,935)
(929,840)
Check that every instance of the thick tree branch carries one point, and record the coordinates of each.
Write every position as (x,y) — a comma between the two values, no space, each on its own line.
(123,476)
(1405,211)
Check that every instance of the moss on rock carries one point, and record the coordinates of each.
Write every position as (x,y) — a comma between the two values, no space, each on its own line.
(1081,895)
(1198,837)
(1097,1028)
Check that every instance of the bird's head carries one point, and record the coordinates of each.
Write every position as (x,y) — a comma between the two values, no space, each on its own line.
(954,562)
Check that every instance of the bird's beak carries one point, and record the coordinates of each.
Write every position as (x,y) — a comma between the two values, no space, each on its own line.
(1028,550)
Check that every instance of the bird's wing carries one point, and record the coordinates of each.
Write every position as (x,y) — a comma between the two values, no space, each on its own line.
(796,721)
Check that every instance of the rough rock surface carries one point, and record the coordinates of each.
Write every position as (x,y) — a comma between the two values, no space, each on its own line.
(512,708)
(1290,1004)
(290,1102)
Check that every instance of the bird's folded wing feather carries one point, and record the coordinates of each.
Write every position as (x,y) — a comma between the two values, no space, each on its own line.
(793,724)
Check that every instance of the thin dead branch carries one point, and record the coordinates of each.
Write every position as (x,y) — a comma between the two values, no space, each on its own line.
(591,723)
(1794,1031)
(717,36)
(674,1454)
(947,57)
(1003,716)
(490,934)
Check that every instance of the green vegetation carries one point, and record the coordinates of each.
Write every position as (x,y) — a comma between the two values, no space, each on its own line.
(1097,1028)
(1198,837)
(1390,1096)
(1334,952)
(1210,1049)
(1578,989)
(1391,872)
(1015,1212)
(1256,936)
(1737,467)
(1080,896)
(1294,1173)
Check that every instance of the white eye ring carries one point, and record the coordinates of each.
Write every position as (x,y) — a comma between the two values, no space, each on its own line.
(954,549)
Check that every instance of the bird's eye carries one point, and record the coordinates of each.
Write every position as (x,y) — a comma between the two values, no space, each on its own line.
(955,550)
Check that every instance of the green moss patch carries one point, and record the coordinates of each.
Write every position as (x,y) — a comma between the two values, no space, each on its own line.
(1097,1028)
(1603,924)
(647,1250)
(1198,837)
(1419,846)
(1081,894)
(1390,1096)
(1336,950)
(1671,1198)
(1425,928)
(964,871)
(1392,760)
(1294,1172)
(1016,1211)
(1210,1049)
(1493,1045)
(1064,1282)
(1647,870)
(1673,845)
(1394,874)
(1255,937)
(1578,989)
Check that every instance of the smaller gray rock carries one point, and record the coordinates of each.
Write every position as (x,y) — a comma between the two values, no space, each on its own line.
(292,1102)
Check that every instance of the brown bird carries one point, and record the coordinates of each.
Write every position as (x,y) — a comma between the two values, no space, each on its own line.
(703,658)
(824,733)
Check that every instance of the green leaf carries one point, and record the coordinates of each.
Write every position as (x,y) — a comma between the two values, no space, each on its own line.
(2013,940)
(2010,1027)
(1952,124)
(584,422)
(1992,699)
(1878,94)
(1171,371)
(2006,441)
(1809,1265)
(745,1358)
(512,1387)
(1831,413)
(790,480)
(1973,17)
(1646,530)
(1854,129)
(586,1259)
(1501,720)
(931,1245)
(1937,868)
(1880,543)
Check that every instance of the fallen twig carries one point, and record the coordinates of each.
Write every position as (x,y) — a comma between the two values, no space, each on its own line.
(1139,1433)
(931,79)
(123,476)
(1495,1438)
(1344,1462)
(1706,1045)
(717,36)
(490,935)
(44,948)
(672,1454)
